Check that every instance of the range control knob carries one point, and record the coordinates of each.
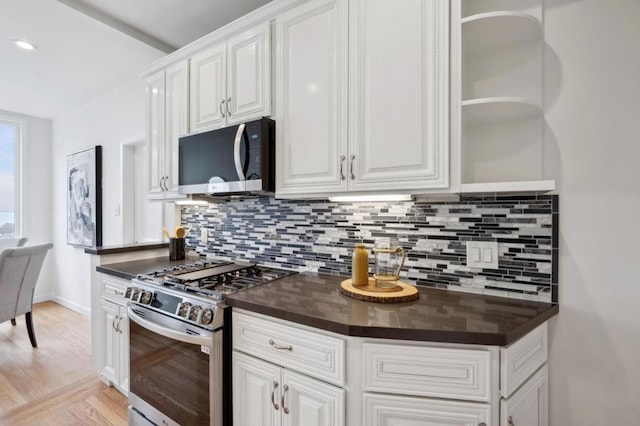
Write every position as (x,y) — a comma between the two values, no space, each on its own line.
(207,317)
(195,311)
(184,309)
(134,294)
(127,294)
(145,297)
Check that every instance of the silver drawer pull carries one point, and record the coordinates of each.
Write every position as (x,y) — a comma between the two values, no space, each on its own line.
(273,396)
(275,345)
(119,293)
(511,423)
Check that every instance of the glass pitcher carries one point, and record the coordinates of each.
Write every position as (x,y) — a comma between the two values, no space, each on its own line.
(389,259)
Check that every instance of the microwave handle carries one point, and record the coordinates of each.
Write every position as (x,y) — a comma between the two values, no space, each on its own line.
(236,152)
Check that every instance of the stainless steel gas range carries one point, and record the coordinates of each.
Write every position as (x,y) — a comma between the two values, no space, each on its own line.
(177,341)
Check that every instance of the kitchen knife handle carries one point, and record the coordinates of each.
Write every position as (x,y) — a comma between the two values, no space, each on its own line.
(220,108)
(273,396)
(353,176)
(276,346)
(284,392)
(342,158)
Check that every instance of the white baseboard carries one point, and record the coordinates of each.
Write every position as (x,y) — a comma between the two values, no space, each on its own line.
(74,307)
(41,298)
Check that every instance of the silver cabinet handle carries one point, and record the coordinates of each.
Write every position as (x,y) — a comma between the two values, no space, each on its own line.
(284,392)
(353,176)
(118,293)
(118,329)
(166,178)
(220,108)
(113,323)
(228,103)
(275,345)
(510,421)
(342,158)
(273,396)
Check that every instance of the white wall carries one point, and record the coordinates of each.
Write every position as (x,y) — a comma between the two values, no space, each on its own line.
(592,78)
(109,120)
(36,178)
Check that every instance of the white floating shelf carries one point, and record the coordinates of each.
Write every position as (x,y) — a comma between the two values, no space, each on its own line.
(490,110)
(522,186)
(497,30)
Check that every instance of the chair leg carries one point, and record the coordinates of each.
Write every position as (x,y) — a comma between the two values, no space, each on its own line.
(32,335)
(13,321)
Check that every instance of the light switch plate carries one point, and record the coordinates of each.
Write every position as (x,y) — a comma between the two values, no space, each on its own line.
(482,254)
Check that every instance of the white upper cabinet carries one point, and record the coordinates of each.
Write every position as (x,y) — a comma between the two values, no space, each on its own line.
(398,108)
(167,99)
(231,81)
(207,88)
(311,98)
(389,130)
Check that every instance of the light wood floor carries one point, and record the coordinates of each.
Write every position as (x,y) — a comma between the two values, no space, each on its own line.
(54,384)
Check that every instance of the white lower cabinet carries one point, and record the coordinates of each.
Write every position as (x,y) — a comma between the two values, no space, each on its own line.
(528,406)
(265,394)
(114,335)
(387,410)
(290,374)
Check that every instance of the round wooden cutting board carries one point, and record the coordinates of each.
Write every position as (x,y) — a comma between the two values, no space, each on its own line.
(402,292)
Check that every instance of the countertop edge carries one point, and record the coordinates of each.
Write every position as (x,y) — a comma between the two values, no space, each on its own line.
(125,248)
(438,336)
(115,273)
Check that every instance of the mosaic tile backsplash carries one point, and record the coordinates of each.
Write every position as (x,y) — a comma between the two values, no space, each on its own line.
(319,236)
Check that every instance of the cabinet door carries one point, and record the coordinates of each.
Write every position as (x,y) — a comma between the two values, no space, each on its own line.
(256,391)
(310,402)
(206,89)
(385,410)
(311,98)
(110,341)
(177,120)
(123,351)
(249,75)
(529,405)
(398,84)
(155,135)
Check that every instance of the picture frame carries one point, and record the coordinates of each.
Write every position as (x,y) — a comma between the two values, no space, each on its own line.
(84,198)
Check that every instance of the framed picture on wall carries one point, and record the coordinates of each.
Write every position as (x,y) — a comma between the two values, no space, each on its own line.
(84,198)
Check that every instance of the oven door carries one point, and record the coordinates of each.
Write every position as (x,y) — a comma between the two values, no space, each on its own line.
(175,370)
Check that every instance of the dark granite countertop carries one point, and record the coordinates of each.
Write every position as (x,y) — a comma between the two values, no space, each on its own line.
(125,248)
(129,270)
(438,315)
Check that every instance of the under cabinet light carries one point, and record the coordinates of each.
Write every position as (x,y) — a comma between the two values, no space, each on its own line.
(372,197)
(191,202)
(25,44)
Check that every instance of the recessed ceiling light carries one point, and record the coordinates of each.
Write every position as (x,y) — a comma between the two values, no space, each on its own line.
(24,44)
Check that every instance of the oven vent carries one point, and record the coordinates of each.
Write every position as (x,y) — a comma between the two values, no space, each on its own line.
(193,333)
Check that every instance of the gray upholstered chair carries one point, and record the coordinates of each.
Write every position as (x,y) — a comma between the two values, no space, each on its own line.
(19,271)
(12,242)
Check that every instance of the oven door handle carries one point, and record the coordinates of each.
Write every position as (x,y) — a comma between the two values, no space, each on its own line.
(167,332)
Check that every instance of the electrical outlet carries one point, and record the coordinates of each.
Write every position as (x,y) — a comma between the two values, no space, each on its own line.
(204,235)
(482,254)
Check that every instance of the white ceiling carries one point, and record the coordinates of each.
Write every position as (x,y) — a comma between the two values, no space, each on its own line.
(88,47)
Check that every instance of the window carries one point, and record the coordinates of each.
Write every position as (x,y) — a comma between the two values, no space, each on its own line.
(10,137)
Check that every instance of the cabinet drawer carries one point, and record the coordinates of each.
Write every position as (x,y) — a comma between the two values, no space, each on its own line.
(113,289)
(427,371)
(388,410)
(519,360)
(308,352)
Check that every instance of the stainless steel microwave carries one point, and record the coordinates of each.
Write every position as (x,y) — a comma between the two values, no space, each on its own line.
(232,160)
